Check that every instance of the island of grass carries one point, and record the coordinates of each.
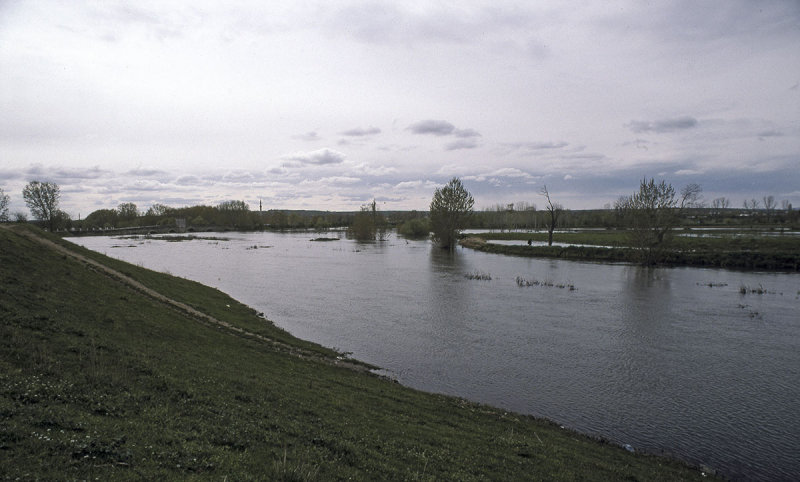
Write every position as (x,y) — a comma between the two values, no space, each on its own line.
(733,249)
(112,371)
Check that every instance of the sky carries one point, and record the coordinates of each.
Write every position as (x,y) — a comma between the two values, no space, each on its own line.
(328,105)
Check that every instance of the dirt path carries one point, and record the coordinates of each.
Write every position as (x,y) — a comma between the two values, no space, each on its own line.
(179,306)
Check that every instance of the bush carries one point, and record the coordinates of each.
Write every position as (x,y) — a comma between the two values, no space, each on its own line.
(415,228)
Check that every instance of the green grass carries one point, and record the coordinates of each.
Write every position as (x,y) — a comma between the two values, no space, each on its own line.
(98,380)
(731,249)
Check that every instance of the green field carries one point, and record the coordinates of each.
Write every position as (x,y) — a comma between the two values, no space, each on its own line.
(100,378)
(737,249)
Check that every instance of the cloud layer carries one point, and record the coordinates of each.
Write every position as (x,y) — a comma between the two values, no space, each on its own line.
(327,105)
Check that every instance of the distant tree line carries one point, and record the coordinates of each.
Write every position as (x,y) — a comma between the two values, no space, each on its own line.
(43,201)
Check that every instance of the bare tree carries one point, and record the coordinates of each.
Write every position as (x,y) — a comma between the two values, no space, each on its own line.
(721,203)
(554,211)
(751,205)
(652,214)
(42,199)
(769,206)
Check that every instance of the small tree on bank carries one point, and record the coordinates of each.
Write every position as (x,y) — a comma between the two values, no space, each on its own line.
(652,213)
(42,199)
(450,208)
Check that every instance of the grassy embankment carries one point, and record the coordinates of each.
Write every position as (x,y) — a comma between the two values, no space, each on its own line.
(100,379)
(728,249)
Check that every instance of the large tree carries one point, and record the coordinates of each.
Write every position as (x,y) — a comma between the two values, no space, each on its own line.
(450,208)
(3,206)
(102,219)
(42,199)
(652,213)
(127,213)
(158,210)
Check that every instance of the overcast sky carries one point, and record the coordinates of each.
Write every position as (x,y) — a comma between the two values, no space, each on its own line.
(328,105)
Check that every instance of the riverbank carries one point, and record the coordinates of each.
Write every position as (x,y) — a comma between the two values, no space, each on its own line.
(724,250)
(103,379)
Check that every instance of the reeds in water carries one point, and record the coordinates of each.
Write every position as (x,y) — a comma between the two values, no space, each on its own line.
(479,275)
(760,290)
(522,282)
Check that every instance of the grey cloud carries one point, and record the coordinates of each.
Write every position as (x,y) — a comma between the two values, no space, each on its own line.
(770,133)
(663,125)
(125,17)
(386,199)
(66,174)
(358,132)
(461,144)
(639,143)
(341,180)
(8,174)
(444,128)
(434,127)
(535,146)
(238,177)
(386,23)
(188,181)
(308,136)
(318,157)
(146,172)
(708,21)
(466,133)
(136,186)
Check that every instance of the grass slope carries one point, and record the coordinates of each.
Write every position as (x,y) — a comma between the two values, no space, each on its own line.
(99,380)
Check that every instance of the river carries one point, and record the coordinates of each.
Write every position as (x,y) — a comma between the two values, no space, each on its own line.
(670,360)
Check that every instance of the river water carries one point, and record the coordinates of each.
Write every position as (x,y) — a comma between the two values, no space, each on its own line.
(670,360)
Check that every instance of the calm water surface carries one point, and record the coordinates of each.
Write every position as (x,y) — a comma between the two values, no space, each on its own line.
(654,358)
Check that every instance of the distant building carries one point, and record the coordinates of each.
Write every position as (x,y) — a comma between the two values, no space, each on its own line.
(180,224)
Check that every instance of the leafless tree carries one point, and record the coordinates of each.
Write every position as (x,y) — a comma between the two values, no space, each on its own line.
(721,203)
(553,211)
(653,212)
(751,205)
(769,206)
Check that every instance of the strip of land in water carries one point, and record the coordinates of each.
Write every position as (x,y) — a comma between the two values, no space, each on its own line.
(720,249)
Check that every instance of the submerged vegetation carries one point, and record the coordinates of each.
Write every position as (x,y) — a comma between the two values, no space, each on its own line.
(368,224)
(479,275)
(522,282)
(109,370)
